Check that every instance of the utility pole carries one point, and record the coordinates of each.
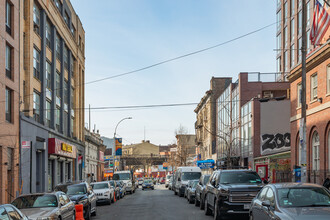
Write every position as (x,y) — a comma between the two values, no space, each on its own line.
(302,129)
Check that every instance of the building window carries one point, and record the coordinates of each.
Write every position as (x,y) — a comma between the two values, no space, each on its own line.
(36,63)
(8,17)
(66,57)
(73,31)
(285,60)
(36,106)
(308,15)
(316,151)
(246,128)
(48,75)
(57,119)
(72,62)
(308,42)
(58,5)
(299,49)
(314,86)
(279,43)
(292,7)
(66,18)
(58,47)
(36,18)
(278,3)
(48,34)
(292,30)
(279,20)
(299,90)
(299,22)
(8,61)
(8,105)
(72,97)
(58,84)
(299,4)
(285,12)
(66,91)
(279,64)
(48,112)
(285,33)
(328,79)
(71,125)
(292,53)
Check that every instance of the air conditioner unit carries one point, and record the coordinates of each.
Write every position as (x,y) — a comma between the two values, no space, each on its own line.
(268,94)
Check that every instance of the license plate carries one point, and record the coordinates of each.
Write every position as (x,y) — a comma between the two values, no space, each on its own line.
(247,206)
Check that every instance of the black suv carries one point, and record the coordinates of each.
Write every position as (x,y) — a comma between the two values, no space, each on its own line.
(231,192)
(80,193)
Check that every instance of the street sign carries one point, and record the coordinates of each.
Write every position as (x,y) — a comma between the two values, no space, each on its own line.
(26,144)
(173,150)
(205,164)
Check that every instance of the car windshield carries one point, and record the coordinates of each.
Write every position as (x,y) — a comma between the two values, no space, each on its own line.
(241,177)
(191,176)
(148,181)
(206,179)
(121,176)
(100,186)
(194,184)
(35,201)
(303,197)
(77,189)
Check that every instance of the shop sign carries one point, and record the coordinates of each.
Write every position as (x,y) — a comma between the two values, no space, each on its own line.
(26,144)
(59,147)
(205,164)
(119,144)
(66,147)
(108,157)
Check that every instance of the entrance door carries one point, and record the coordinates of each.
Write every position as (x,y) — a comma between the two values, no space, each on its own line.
(262,170)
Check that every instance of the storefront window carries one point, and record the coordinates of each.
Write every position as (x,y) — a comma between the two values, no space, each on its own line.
(316,151)
(59,172)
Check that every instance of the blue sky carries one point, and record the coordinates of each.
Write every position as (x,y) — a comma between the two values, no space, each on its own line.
(125,35)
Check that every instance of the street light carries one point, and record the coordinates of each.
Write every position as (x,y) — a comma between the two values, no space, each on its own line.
(114,135)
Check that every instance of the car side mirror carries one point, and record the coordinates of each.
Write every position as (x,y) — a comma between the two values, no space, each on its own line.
(266,203)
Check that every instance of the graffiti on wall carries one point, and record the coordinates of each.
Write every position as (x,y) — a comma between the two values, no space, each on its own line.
(271,143)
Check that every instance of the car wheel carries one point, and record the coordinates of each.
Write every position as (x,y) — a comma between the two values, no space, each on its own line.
(175,193)
(196,202)
(207,210)
(217,213)
(110,200)
(251,216)
(88,215)
(59,218)
(201,204)
(94,213)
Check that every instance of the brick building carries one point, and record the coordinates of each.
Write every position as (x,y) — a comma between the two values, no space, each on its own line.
(52,94)
(9,99)
(289,42)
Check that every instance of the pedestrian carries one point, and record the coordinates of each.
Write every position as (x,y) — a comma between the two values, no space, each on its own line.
(326,183)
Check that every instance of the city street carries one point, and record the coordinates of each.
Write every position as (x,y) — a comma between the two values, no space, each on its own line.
(160,203)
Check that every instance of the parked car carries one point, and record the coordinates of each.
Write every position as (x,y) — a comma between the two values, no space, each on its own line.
(189,184)
(291,201)
(56,205)
(170,183)
(80,193)
(161,180)
(127,177)
(230,192)
(140,181)
(8,211)
(182,176)
(200,191)
(103,191)
(167,180)
(116,188)
(122,188)
(148,184)
(191,191)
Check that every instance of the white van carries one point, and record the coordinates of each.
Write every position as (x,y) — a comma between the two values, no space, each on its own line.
(127,178)
(182,176)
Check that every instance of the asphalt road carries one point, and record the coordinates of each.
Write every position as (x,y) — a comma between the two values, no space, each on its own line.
(160,203)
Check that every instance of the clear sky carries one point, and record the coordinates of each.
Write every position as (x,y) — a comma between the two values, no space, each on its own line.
(124,35)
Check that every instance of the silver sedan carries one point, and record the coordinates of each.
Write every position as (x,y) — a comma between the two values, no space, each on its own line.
(56,205)
(291,201)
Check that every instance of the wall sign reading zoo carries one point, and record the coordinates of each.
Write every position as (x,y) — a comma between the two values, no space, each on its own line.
(272,143)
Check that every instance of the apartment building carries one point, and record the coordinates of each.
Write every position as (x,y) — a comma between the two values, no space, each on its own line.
(246,120)
(205,125)
(9,99)
(52,42)
(94,151)
(317,87)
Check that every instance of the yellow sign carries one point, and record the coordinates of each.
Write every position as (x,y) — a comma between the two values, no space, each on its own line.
(66,147)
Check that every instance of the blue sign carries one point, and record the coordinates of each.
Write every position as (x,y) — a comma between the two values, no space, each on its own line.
(205,164)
